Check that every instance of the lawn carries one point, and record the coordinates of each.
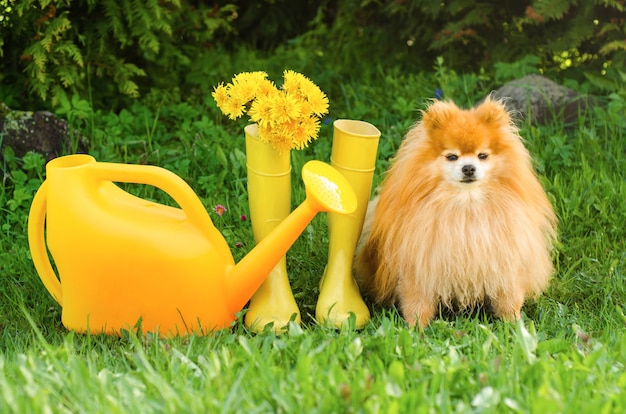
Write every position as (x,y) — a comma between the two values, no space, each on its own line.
(566,355)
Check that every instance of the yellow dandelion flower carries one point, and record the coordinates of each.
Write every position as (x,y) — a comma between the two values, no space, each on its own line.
(266,88)
(302,87)
(234,108)
(249,77)
(255,77)
(275,136)
(299,137)
(297,83)
(261,110)
(318,102)
(307,130)
(311,126)
(242,90)
(304,84)
(287,128)
(291,81)
(220,94)
(265,132)
(285,108)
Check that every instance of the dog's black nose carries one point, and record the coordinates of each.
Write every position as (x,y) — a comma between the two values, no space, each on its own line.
(468,170)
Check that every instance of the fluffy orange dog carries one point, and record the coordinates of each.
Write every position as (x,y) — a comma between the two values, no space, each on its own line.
(461,219)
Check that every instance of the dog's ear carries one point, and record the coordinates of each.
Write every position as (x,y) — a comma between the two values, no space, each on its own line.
(493,113)
(439,114)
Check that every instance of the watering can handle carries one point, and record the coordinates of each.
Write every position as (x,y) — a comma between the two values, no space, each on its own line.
(163,179)
(37,243)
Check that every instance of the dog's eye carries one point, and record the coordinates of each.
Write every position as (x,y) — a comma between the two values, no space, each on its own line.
(482,156)
(452,157)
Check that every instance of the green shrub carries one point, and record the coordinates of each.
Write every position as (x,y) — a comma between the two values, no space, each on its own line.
(109,51)
(470,35)
(57,48)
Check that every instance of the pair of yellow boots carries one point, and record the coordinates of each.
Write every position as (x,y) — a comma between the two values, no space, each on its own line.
(269,195)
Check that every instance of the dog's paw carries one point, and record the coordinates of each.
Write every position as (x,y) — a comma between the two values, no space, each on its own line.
(419,313)
(509,306)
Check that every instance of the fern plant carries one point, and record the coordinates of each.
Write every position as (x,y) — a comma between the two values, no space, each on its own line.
(59,48)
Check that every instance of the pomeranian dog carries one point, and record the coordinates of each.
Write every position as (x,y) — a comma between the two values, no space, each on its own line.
(460,220)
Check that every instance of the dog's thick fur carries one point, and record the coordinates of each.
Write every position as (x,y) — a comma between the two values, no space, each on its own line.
(461,219)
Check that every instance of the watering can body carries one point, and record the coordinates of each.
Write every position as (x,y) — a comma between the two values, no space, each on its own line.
(124,262)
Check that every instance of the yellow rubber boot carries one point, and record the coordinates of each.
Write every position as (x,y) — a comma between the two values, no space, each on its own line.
(354,148)
(269,198)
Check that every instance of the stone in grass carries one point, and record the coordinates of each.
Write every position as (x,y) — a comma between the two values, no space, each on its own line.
(40,131)
(539,100)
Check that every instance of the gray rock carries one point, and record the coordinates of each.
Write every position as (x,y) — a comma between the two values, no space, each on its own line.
(41,131)
(540,100)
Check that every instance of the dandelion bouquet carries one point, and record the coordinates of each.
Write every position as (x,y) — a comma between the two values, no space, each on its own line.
(288,118)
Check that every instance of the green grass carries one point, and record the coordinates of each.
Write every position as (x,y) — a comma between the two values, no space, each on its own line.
(566,355)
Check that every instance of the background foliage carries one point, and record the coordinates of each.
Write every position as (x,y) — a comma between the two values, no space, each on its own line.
(114,47)
(107,50)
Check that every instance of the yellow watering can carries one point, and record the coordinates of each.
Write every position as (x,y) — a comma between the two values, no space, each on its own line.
(123,260)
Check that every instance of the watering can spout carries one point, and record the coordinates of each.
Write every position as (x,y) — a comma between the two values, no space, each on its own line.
(326,191)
